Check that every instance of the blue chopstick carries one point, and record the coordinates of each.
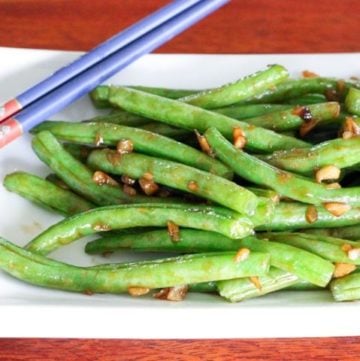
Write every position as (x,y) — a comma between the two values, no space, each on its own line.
(86,81)
(94,56)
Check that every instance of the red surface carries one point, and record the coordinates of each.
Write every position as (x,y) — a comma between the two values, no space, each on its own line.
(244,26)
(325,349)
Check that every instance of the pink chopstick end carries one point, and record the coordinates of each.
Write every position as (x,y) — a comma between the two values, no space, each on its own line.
(9,108)
(10,129)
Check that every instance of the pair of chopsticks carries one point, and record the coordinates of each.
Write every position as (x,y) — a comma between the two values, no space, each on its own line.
(81,76)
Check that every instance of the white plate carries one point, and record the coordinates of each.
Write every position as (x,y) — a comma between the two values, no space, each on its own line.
(29,311)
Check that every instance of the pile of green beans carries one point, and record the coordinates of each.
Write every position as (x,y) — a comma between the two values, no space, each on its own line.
(221,178)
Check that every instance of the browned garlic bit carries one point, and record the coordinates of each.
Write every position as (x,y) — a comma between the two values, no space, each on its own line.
(193,186)
(242,254)
(346,247)
(346,134)
(204,145)
(148,176)
(147,184)
(333,186)
(98,139)
(275,197)
(239,138)
(303,112)
(309,122)
(336,208)
(256,282)
(350,128)
(130,191)
(101,178)
(343,269)
(125,146)
(174,231)
(341,86)
(176,293)
(329,172)
(307,127)
(311,214)
(138,291)
(331,95)
(354,254)
(101,227)
(127,180)
(309,74)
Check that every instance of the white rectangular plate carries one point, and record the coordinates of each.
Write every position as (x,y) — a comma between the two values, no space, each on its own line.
(30,311)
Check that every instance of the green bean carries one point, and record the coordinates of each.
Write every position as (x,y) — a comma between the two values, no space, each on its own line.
(307,99)
(169,272)
(143,142)
(214,219)
(341,153)
(302,285)
(203,287)
(189,117)
(45,194)
(159,240)
(303,264)
(288,119)
(264,212)
(327,239)
(349,232)
(119,117)
(78,177)
(167,92)
(346,288)
(330,251)
(178,176)
(285,183)
(240,289)
(290,133)
(290,215)
(240,90)
(212,98)
(239,111)
(190,241)
(100,95)
(122,117)
(54,179)
(265,193)
(275,280)
(294,91)
(294,88)
(78,151)
(352,101)
(165,130)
